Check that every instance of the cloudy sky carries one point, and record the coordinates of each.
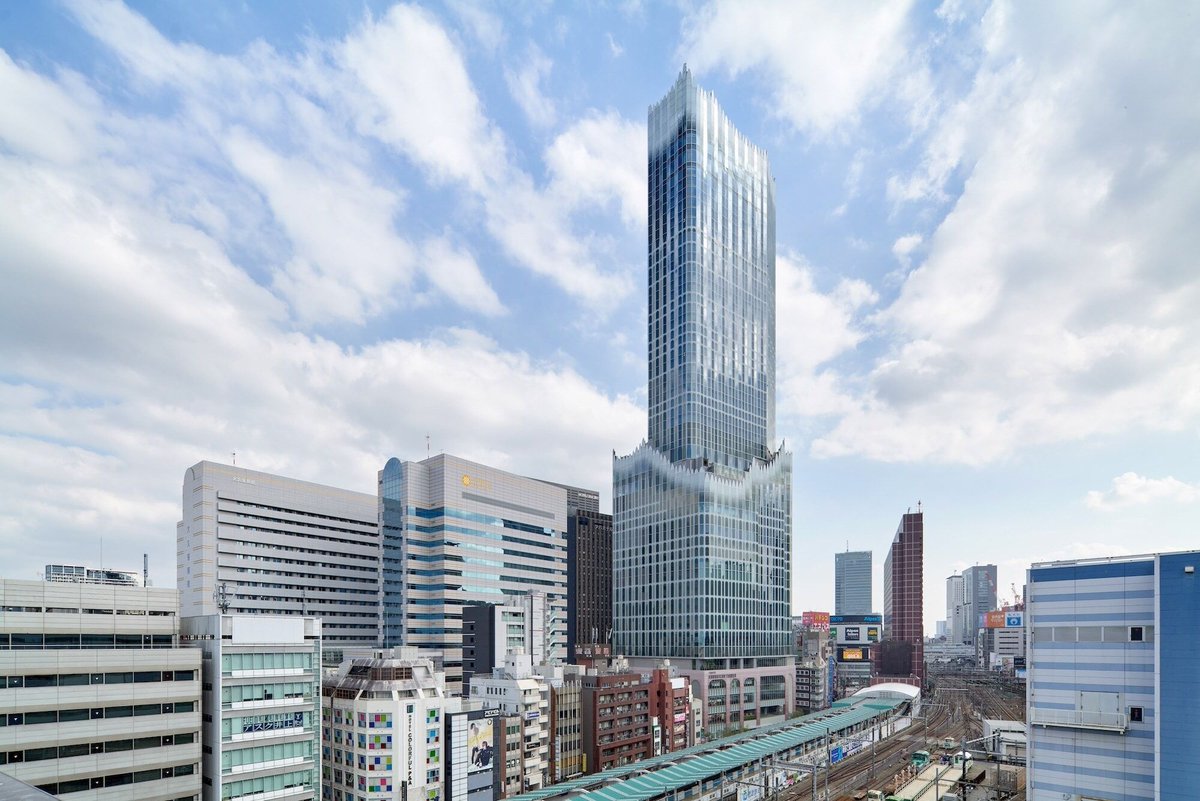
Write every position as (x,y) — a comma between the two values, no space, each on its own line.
(315,233)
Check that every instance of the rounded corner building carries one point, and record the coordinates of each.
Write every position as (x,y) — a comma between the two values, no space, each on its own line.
(702,509)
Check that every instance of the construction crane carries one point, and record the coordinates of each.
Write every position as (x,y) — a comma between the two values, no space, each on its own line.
(1017,600)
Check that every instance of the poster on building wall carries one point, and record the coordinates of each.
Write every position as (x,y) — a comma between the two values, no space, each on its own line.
(480,745)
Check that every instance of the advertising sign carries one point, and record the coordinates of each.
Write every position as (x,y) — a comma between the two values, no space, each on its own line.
(993,620)
(839,619)
(815,620)
(853,634)
(750,792)
(480,745)
(872,634)
(1014,620)
(836,754)
(287,720)
(850,655)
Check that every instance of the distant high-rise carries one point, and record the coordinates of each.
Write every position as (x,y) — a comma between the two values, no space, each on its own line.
(903,603)
(979,597)
(456,532)
(955,609)
(702,509)
(852,583)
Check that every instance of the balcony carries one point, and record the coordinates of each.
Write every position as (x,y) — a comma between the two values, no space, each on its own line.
(1079,719)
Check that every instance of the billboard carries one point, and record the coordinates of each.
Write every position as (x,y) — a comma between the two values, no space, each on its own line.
(855,632)
(851,654)
(815,620)
(480,745)
(472,755)
(839,619)
(1014,620)
(993,620)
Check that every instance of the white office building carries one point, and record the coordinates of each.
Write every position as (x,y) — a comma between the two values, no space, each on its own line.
(956,609)
(383,717)
(517,690)
(261,703)
(456,533)
(252,543)
(97,699)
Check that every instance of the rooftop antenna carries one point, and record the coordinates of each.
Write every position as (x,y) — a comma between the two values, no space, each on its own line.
(145,570)
(918,507)
(234,455)
(427,447)
(222,597)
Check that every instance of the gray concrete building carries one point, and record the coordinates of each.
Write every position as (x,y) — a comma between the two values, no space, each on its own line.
(98,700)
(252,543)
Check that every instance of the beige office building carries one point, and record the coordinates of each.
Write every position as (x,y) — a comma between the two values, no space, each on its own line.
(97,699)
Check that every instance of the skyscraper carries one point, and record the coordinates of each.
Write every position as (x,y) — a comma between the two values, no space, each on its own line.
(589,576)
(955,609)
(979,596)
(852,583)
(902,652)
(702,509)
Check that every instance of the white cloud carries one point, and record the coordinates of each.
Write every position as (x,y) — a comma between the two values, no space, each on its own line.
(485,27)
(613,46)
(826,63)
(454,271)
(525,85)
(347,259)
(903,247)
(417,96)
(1056,298)
(812,329)
(1131,489)
(601,158)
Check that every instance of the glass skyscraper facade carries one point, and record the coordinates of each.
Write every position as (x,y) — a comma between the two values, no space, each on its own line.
(852,583)
(702,509)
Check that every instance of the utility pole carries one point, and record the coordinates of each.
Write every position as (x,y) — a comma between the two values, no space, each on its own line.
(828,764)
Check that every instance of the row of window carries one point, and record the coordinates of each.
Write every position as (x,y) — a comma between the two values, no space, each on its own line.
(267,661)
(94,713)
(119,780)
(40,641)
(82,679)
(104,747)
(74,610)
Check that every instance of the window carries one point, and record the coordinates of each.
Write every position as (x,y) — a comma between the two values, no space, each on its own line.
(1135,714)
(1136,634)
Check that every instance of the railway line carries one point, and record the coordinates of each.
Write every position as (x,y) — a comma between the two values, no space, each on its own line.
(955,710)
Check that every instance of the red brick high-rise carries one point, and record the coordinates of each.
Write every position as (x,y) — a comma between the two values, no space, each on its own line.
(902,652)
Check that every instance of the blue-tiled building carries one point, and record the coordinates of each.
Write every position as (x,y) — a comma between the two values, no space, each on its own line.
(1114,678)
